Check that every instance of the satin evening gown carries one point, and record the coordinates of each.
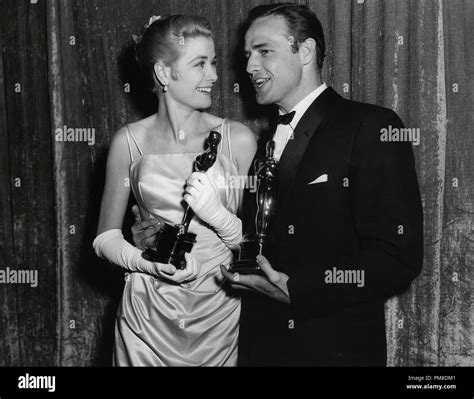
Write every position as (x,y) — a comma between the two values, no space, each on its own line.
(194,324)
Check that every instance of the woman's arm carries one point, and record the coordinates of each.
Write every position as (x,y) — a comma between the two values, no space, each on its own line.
(117,187)
(109,242)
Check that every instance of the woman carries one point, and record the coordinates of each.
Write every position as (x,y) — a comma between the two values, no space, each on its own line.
(169,316)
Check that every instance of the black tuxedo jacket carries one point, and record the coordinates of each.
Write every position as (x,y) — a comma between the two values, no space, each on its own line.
(364,216)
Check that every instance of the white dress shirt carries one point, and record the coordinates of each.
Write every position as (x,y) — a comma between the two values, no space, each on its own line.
(285,132)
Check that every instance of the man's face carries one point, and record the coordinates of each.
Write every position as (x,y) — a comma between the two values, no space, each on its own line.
(274,69)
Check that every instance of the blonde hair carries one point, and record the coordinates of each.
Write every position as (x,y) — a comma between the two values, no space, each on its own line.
(163,39)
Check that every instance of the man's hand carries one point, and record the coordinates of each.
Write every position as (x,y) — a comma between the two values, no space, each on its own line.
(144,232)
(273,284)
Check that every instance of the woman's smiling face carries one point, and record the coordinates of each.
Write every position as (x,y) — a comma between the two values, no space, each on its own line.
(194,73)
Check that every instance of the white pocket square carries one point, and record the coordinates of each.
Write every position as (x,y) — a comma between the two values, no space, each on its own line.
(320,179)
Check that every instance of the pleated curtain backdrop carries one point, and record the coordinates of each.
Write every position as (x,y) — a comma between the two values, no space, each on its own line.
(69,64)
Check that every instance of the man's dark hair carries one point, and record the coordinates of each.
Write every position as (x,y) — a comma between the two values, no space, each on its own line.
(302,24)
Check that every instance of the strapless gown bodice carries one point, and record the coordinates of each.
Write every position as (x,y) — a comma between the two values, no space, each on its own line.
(194,323)
(158,182)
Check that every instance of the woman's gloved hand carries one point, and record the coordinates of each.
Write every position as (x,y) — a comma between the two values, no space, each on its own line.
(203,198)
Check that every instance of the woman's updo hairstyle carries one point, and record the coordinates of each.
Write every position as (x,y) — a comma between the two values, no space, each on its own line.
(162,37)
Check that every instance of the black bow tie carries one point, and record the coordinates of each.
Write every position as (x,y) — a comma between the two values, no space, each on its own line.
(286,118)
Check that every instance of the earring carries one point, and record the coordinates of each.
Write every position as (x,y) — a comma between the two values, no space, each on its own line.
(165,88)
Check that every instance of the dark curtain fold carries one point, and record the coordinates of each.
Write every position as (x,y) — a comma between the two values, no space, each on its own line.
(29,318)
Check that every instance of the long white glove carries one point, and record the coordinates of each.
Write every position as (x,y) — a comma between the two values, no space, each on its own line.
(112,246)
(202,197)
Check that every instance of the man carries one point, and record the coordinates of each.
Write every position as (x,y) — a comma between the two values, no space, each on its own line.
(347,233)
(348,227)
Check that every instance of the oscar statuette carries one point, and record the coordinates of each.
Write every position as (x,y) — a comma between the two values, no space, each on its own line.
(253,245)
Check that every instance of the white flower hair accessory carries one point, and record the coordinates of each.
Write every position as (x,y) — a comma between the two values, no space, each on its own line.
(152,19)
(138,38)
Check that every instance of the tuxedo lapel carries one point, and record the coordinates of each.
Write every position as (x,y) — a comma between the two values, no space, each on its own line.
(292,155)
(303,133)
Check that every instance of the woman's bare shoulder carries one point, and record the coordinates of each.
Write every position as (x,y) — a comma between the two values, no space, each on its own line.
(212,121)
(242,134)
(141,127)
(244,145)
(119,145)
